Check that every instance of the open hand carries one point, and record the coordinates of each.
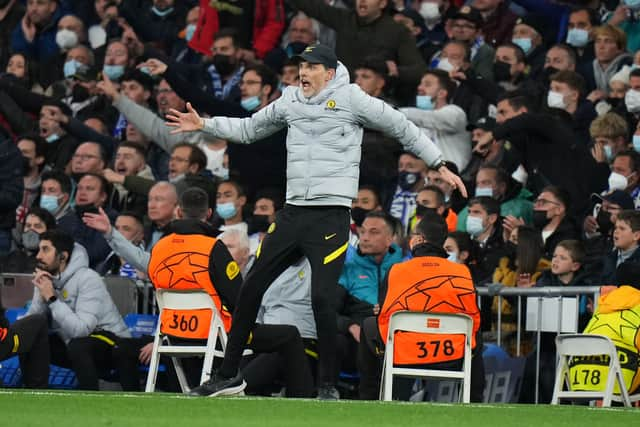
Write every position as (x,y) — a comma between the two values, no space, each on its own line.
(184,122)
(99,222)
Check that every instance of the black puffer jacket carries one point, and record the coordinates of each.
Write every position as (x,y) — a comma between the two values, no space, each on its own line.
(11,183)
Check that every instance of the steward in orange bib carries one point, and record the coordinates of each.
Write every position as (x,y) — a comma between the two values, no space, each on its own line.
(431,283)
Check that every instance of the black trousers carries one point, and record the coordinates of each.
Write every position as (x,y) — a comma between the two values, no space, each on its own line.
(370,358)
(319,233)
(28,338)
(90,357)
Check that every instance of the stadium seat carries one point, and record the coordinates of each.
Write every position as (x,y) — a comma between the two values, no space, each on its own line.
(427,323)
(589,345)
(124,293)
(186,300)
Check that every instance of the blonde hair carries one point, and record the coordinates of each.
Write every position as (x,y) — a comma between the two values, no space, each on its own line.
(610,125)
(615,33)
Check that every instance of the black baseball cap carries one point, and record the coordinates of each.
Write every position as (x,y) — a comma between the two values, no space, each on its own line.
(319,54)
(617,197)
(470,14)
(484,123)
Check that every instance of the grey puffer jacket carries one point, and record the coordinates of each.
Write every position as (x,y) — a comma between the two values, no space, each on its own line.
(84,304)
(324,138)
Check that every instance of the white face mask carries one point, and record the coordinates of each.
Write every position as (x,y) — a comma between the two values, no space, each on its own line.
(453,257)
(66,39)
(617,181)
(556,100)
(430,12)
(632,101)
(445,65)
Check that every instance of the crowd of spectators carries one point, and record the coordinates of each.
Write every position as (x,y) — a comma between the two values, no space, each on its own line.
(535,103)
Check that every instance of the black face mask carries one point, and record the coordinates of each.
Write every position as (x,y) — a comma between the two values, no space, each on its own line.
(258,224)
(113,30)
(358,215)
(501,71)
(421,211)
(224,64)
(540,219)
(604,222)
(83,209)
(406,180)
(547,73)
(79,93)
(614,102)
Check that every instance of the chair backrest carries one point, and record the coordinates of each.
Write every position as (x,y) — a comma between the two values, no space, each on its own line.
(124,293)
(16,289)
(584,345)
(431,324)
(186,313)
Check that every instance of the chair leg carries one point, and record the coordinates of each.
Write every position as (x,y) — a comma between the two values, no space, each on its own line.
(561,371)
(182,379)
(153,365)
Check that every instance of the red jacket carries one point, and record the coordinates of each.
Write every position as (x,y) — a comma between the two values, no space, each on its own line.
(268,25)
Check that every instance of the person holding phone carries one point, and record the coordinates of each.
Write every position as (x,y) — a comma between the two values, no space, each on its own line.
(91,194)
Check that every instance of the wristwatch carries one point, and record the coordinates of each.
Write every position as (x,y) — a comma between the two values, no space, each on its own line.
(438,165)
(52,299)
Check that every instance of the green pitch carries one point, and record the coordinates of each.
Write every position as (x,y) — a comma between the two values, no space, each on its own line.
(49,409)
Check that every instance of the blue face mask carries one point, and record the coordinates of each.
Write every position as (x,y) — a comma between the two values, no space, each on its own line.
(190,31)
(251,103)
(578,37)
(636,143)
(608,153)
(226,210)
(70,68)
(632,4)
(484,191)
(49,203)
(424,102)
(114,72)
(453,257)
(146,70)
(53,138)
(161,13)
(474,226)
(525,44)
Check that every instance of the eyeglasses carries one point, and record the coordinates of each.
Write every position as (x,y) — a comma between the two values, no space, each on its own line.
(545,202)
(250,82)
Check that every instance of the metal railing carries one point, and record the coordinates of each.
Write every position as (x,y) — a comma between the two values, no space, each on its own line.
(541,293)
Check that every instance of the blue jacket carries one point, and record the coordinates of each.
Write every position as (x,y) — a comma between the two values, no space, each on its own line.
(44,44)
(362,275)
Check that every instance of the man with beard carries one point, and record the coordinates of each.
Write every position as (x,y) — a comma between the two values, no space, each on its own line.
(85,322)
(91,194)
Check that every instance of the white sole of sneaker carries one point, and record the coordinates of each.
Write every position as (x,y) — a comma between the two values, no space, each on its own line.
(232,391)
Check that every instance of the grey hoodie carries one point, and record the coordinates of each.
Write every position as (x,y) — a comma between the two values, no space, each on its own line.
(84,304)
(324,137)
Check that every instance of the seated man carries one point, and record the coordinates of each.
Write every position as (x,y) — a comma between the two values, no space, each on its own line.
(420,285)
(362,275)
(85,322)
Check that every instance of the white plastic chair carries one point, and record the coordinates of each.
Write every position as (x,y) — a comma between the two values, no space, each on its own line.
(443,323)
(589,345)
(186,300)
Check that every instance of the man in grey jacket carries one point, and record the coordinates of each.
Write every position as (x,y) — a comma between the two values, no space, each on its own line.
(84,319)
(325,116)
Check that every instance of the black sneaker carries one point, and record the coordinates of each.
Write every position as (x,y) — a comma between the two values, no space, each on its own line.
(328,392)
(220,386)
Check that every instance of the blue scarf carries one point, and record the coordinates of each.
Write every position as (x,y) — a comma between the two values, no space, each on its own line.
(220,91)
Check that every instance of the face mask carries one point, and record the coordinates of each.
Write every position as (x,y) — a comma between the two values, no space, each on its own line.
(224,65)
(358,215)
(406,180)
(540,219)
(556,100)
(146,70)
(421,211)
(251,103)
(226,210)
(632,4)
(70,68)
(224,173)
(66,39)
(258,224)
(547,72)
(189,32)
(79,93)
(49,203)
(161,13)
(30,240)
(114,72)
(636,143)
(474,226)
(53,138)
(608,153)
(617,181)
(484,191)
(525,44)
(578,37)
(632,101)
(445,65)
(430,12)
(453,257)
(501,71)
(614,102)
(604,222)
(424,102)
